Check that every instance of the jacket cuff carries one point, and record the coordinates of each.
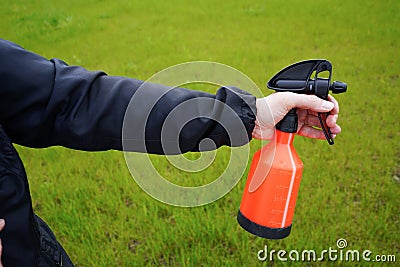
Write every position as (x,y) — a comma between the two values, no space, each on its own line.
(248,111)
(244,105)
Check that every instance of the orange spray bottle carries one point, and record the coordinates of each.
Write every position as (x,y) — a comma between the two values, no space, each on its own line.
(270,194)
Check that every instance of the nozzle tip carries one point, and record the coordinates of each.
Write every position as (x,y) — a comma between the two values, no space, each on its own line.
(338,87)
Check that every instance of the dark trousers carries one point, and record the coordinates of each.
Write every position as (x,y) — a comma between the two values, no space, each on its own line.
(27,240)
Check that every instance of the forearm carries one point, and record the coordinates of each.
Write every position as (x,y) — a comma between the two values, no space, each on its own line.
(181,119)
(45,103)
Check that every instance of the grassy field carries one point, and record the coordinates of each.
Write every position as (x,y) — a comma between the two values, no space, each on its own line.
(349,190)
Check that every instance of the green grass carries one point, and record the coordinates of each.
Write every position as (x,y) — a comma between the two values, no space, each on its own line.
(348,191)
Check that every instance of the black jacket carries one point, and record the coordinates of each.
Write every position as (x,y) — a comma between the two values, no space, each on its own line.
(27,240)
(46,102)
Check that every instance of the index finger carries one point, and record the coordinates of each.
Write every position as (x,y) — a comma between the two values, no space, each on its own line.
(335,109)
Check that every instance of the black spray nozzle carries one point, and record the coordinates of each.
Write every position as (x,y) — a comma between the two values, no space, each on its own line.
(320,88)
(302,78)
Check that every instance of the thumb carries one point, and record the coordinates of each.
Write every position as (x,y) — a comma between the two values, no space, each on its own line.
(311,102)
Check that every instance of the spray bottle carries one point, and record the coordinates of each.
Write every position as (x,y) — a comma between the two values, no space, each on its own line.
(269,198)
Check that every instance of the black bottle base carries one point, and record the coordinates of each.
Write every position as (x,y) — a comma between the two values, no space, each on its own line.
(262,231)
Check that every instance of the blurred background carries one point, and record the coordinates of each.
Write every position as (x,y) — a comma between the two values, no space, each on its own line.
(349,190)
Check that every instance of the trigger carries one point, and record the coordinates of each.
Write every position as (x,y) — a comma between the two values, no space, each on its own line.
(325,128)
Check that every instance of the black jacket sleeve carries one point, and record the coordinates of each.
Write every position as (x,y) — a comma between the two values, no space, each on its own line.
(46,102)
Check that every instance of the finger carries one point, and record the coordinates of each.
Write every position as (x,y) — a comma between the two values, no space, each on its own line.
(302,114)
(314,113)
(331,120)
(336,130)
(308,112)
(2,224)
(311,132)
(312,120)
(335,109)
(311,102)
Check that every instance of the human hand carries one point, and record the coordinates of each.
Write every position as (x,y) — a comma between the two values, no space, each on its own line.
(2,224)
(272,109)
